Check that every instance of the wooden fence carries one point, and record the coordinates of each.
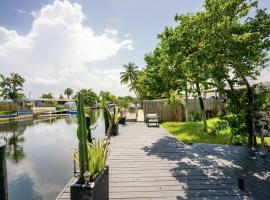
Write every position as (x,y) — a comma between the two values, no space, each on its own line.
(8,106)
(167,112)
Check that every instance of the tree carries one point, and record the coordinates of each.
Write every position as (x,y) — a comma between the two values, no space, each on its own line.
(68,92)
(47,96)
(129,76)
(61,96)
(237,52)
(2,83)
(125,101)
(12,87)
(107,97)
(90,97)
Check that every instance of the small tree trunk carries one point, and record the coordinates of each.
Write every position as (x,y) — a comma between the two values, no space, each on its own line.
(219,103)
(232,93)
(249,115)
(202,107)
(186,106)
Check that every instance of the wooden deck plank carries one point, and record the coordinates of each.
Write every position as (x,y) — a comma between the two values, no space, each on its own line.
(148,163)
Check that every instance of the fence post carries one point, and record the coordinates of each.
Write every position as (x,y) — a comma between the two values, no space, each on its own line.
(3,173)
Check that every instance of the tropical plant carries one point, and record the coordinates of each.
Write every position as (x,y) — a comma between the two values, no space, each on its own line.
(91,158)
(111,119)
(176,100)
(98,153)
(97,156)
(129,76)
(68,92)
(12,87)
(82,136)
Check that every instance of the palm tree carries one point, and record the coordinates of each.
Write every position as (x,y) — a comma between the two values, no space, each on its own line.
(12,87)
(68,92)
(130,75)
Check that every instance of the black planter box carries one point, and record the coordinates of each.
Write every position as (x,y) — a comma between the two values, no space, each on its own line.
(100,190)
(122,120)
(107,124)
(115,129)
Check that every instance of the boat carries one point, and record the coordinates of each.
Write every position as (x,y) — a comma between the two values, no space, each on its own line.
(71,112)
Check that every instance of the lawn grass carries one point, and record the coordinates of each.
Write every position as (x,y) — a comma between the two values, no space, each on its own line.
(7,112)
(192,132)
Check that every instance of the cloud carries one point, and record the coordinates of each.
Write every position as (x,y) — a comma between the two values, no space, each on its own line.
(57,50)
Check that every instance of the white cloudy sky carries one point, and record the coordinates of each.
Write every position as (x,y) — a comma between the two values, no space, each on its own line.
(54,53)
(57,44)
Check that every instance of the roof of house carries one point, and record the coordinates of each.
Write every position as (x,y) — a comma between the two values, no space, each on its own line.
(241,87)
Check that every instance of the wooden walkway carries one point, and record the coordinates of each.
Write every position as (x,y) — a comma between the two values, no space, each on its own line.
(148,163)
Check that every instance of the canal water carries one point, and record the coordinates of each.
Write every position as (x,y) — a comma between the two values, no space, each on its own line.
(39,155)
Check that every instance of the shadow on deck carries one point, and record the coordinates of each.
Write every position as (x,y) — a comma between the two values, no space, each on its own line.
(148,163)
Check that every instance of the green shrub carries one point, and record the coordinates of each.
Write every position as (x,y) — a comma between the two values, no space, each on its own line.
(237,125)
(240,140)
(218,127)
(195,116)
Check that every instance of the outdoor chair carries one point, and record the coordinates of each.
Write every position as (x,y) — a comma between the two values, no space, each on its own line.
(152,119)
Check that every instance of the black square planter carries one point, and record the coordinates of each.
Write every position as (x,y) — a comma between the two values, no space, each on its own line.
(115,129)
(100,190)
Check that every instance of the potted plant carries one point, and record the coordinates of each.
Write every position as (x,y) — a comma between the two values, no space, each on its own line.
(122,119)
(111,121)
(93,178)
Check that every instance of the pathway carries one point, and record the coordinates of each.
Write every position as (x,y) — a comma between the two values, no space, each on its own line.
(148,163)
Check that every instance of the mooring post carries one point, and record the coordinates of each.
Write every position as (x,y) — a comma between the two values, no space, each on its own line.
(241,184)
(3,172)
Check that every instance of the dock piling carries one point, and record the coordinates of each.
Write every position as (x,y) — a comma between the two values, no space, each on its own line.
(3,172)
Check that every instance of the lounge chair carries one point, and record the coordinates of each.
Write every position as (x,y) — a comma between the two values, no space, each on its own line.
(152,119)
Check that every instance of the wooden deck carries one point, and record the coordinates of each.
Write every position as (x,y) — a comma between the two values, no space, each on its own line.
(148,163)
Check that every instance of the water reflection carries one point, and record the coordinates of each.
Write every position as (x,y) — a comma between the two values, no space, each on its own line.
(39,158)
(14,139)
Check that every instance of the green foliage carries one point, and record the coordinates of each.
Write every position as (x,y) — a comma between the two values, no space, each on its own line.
(7,112)
(97,156)
(218,127)
(47,96)
(68,92)
(61,96)
(60,107)
(12,87)
(237,125)
(82,136)
(107,97)
(124,102)
(219,46)
(90,97)
(176,98)
(195,116)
